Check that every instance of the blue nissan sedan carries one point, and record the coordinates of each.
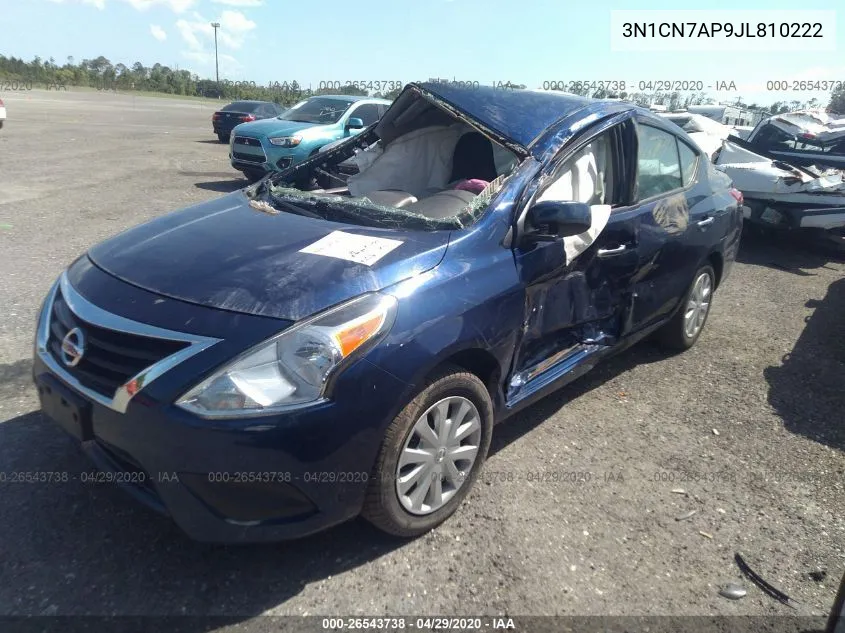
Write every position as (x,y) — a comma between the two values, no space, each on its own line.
(340,338)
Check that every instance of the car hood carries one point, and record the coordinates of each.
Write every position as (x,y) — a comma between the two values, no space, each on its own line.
(227,255)
(273,127)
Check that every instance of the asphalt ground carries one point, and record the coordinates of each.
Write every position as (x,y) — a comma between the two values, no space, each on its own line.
(575,514)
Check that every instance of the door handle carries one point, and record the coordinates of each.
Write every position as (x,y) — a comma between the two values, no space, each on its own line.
(609,252)
(706,222)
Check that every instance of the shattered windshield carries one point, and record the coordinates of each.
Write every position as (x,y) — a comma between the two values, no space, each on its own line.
(323,110)
(362,210)
(436,173)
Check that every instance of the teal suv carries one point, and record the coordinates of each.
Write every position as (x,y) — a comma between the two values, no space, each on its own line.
(275,144)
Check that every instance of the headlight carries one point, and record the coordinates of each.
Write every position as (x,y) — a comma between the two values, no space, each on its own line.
(292,368)
(286,141)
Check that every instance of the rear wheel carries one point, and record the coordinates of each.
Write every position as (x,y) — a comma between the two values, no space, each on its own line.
(686,326)
(431,455)
(223,138)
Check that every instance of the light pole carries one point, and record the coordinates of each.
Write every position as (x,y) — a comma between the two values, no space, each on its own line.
(216,26)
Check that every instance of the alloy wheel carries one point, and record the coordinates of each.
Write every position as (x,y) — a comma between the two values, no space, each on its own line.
(698,305)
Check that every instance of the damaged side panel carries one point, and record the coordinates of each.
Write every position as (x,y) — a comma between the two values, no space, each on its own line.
(577,301)
(568,319)
(574,311)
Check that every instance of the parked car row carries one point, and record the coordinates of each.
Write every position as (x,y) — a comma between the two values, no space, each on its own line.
(226,119)
(265,138)
(340,338)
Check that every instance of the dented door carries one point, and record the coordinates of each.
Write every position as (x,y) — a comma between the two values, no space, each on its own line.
(584,302)
(576,308)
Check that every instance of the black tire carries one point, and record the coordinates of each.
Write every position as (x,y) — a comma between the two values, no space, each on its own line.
(1,124)
(253,176)
(223,138)
(673,335)
(381,506)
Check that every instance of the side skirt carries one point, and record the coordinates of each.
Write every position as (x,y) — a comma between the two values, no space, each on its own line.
(529,386)
(555,371)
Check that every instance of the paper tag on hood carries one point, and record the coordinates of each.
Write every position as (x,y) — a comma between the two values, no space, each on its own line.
(362,249)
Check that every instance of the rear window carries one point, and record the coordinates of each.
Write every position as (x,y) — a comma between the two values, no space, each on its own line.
(242,106)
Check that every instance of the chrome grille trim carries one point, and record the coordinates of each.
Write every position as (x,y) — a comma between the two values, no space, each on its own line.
(248,141)
(87,311)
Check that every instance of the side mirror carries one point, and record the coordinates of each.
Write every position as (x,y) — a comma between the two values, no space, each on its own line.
(354,123)
(552,219)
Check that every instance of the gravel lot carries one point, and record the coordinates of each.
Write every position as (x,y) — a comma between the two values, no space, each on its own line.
(749,424)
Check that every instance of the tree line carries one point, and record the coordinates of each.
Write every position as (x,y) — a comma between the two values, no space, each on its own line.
(101,74)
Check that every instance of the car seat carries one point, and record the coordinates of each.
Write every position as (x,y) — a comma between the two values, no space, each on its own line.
(473,158)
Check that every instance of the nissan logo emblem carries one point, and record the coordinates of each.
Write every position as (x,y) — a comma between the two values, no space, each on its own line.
(73,347)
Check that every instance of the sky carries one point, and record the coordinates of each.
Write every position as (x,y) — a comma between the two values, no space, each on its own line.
(528,42)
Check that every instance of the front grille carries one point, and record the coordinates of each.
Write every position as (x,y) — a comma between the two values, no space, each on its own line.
(246,140)
(111,357)
(248,158)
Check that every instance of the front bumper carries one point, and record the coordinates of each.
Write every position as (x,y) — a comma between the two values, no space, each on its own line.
(259,154)
(238,480)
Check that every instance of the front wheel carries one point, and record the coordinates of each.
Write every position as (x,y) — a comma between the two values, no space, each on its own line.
(253,176)
(683,330)
(431,455)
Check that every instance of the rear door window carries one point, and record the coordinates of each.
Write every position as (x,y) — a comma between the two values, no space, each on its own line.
(658,164)
(689,163)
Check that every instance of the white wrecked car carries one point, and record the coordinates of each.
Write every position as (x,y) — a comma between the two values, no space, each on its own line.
(742,131)
(783,196)
(707,133)
(804,138)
